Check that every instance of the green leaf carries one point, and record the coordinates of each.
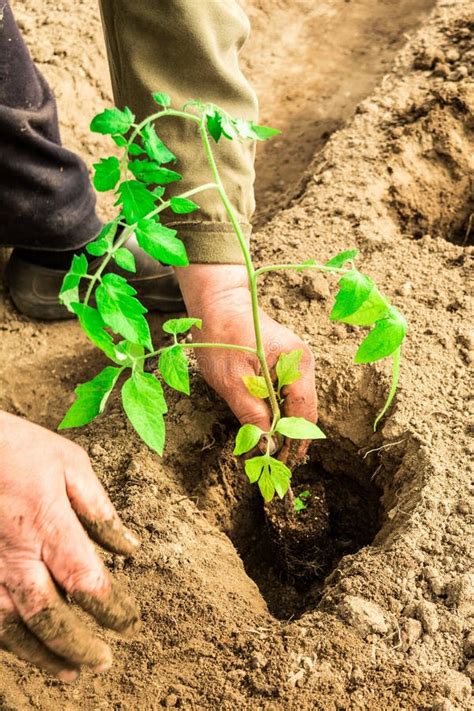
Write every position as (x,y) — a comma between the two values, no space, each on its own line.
(244,128)
(131,354)
(384,339)
(299,428)
(247,438)
(113,121)
(69,292)
(287,368)
(103,241)
(145,405)
(121,311)
(107,174)
(161,243)
(181,325)
(354,289)
(125,259)
(280,476)
(263,133)
(120,140)
(256,386)
(271,475)
(214,125)
(374,308)
(173,366)
(162,99)
(228,128)
(91,398)
(154,146)
(151,172)
(182,206)
(135,199)
(300,501)
(93,325)
(135,150)
(340,259)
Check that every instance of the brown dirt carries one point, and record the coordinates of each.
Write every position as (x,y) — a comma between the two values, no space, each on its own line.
(388,628)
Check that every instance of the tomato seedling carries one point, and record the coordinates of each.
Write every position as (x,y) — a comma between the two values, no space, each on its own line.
(117,323)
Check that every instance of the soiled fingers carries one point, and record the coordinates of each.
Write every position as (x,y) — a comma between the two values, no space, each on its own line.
(53,622)
(15,637)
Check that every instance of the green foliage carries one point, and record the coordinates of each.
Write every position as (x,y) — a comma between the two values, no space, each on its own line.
(384,339)
(145,405)
(299,428)
(121,311)
(135,199)
(270,474)
(300,502)
(107,174)
(118,327)
(247,438)
(69,292)
(287,368)
(256,385)
(181,206)
(154,146)
(174,369)
(161,243)
(181,325)
(91,399)
(113,121)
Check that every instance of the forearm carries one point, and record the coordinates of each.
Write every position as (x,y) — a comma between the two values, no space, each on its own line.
(186,49)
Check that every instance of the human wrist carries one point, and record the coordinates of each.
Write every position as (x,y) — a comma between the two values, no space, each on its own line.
(206,287)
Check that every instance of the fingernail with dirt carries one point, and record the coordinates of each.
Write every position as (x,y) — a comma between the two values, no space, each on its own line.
(132,538)
(111,535)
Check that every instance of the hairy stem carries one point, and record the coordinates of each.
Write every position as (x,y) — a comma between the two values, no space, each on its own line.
(192,346)
(250,272)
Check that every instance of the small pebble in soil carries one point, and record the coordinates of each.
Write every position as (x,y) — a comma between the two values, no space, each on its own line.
(315,286)
(411,631)
(427,615)
(365,616)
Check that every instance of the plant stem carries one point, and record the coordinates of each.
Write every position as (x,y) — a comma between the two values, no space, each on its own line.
(191,346)
(396,356)
(260,350)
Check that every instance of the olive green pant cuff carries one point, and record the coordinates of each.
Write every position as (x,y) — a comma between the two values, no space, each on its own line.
(211,242)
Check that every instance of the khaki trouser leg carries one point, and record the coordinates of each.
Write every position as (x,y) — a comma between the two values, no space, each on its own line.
(189,49)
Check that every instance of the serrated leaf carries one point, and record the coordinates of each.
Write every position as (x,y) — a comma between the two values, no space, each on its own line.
(135,199)
(181,325)
(69,292)
(247,438)
(152,173)
(182,206)
(280,476)
(263,133)
(93,325)
(104,240)
(271,475)
(161,243)
(144,404)
(173,366)
(107,174)
(256,386)
(214,125)
(374,308)
(125,259)
(154,146)
(121,311)
(340,259)
(287,368)
(113,121)
(91,398)
(299,428)
(384,339)
(162,99)
(354,289)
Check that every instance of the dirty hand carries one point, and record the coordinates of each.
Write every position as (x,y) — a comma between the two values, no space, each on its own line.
(219,295)
(47,487)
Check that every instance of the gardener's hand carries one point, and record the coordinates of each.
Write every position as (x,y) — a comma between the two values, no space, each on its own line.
(219,295)
(47,487)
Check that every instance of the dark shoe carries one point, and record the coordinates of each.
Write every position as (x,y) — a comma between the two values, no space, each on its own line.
(34,288)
